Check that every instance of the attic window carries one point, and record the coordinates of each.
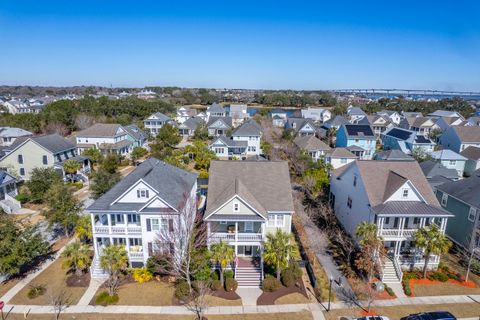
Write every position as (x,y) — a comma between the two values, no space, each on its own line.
(444,199)
(471,214)
(142,193)
(405,193)
(236,207)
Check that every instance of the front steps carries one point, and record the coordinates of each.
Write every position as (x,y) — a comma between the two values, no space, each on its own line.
(249,277)
(96,271)
(389,273)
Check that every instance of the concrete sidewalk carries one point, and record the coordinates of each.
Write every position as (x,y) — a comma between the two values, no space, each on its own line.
(90,293)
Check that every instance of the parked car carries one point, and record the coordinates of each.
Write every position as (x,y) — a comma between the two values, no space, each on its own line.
(434,315)
(373,318)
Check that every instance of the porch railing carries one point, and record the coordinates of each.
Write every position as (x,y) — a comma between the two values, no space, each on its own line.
(224,236)
(117,229)
(397,232)
(398,269)
(135,255)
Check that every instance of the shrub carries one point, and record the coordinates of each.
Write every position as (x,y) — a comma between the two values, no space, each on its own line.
(442,277)
(36,291)
(442,266)
(104,298)
(411,275)
(214,275)
(389,291)
(270,284)
(23,198)
(142,275)
(215,285)
(231,284)
(158,265)
(406,287)
(181,290)
(288,278)
(228,274)
(475,266)
(453,276)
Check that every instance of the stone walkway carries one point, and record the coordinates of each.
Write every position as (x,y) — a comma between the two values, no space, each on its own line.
(249,295)
(398,290)
(90,293)
(25,281)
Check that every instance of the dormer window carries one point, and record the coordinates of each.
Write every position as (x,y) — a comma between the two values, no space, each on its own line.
(405,193)
(236,207)
(142,193)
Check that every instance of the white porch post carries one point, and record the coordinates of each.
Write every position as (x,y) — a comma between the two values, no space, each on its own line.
(125,222)
(380,229)
(95,246)
(443,225)
(109,219)
(402,226)
(92,218)
(236,231)
(422,222)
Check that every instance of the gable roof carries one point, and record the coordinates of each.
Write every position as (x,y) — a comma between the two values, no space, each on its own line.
(52,142)
(215,108)
(472,153)
(5,177)
(387,112)
(230,142)
(264,185)
(466,190)
(311,143)
(358,131)
(412,114)
(374,118)
(341,153)
(432,169)
(248,128)
(226,120)
(447,154)
(192,123)
(445,113)
(160,116)
(355,111)
(378,176)
(393,154)
(336,121)
(13,132)
(407,135)
(135,132)
(420,121)
(467,134)
(100,130)
(170,182)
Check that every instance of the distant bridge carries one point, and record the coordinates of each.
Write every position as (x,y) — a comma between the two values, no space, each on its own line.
(408,92)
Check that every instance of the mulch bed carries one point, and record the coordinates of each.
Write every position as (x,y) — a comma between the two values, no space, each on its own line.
(268,298)
(413,282)
(227,295)
(82,281)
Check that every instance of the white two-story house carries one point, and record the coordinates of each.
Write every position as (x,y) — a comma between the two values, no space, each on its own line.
(246,200)
(142,211)
(251,132)
(155,122)
(107,137)
(394,195)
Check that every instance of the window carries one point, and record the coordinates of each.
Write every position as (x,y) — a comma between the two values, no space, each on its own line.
(20,159)
(452,162)
(471,214)
(405,193)
(44,159)
(236,207)
(22,171)
(354,181)
(133,218)
(135,241)
(223,222)
(343,160)
(356,140)
(219,150)
(117,219)
(416,221)
(444,199)
(275,220)
(387,220)
(349,202)
(142,193)
(248,226)
(155,223)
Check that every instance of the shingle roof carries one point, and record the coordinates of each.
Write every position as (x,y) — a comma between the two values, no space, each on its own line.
(466,189)
(170,182)
(468,134)
(249,128)
(356,111)
(376,175)
(13,132)
(100,130)
(52,142)
(341,153)
(336,121)
(311,143)
(230,142)
(432,169)
(393,154)
(160,116)
(444,113)
(420,121)
(265,185)
(226,120)
(412,114)
(472,153)
(215,108)
(6,178)
(192,123)
(135,131)
(446,154)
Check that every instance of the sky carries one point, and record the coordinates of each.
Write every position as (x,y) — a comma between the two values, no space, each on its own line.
(242,44)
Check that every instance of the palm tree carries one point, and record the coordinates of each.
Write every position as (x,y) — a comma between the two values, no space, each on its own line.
(71,167)
(223,254)
(83,229)
(77,257)
(279,249)
(432,241)
(372,255)
(114,260)
(366,232)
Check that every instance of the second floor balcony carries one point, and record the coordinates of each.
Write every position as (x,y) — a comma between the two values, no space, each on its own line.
(115,224)
(236,231)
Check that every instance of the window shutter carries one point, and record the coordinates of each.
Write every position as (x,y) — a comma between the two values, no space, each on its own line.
(170,225)
(147,193)
(138,193)
(149,225)
(150,249)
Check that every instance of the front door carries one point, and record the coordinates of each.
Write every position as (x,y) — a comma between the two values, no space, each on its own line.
(248,251)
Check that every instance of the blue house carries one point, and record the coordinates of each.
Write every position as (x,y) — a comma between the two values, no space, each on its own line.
(359,139)
(406,140)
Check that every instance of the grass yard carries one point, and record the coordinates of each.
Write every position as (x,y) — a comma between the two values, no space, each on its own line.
(451,261)
(443,289)
(54,280)
(95,316)
(156,293)
(292,298)
(462,310)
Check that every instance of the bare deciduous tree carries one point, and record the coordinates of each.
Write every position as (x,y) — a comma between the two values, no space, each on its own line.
(83,121)
(59,302)
(57,127)
(199,299)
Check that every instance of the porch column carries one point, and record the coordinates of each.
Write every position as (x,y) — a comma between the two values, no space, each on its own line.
(208,230)
(125,222)
(395,252)
(236,231)
(95,246)
(422,222)
(92,220)
(109,219)
(127,245)
(402,226)
(443,225)
(380,228)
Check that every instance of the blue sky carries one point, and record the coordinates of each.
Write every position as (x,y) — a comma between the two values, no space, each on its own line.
(242,44)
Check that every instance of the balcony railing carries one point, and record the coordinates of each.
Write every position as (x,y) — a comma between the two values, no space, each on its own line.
(135,255)
(224,236)
(397,233)
(117,229)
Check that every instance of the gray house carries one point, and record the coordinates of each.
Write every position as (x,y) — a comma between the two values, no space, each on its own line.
(461,198)
(187,129)
(219,126)
(473,160)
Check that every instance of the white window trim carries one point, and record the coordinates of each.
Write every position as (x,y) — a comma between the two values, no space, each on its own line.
(236,206)
(444,199)
(250,228)
(275,223)
(472,212)
(404,196)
